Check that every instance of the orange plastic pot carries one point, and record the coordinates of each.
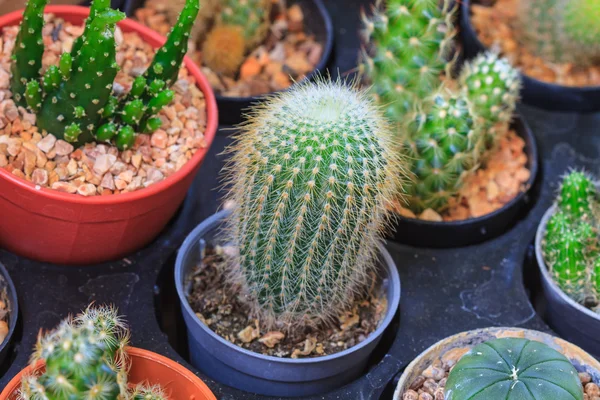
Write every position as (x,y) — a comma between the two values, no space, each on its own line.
(146,367)
(56,227)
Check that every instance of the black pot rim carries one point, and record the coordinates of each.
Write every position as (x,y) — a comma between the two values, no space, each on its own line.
(532,154)
(468,26)
(386,259)
(327,49)
(14,306)
(541,262)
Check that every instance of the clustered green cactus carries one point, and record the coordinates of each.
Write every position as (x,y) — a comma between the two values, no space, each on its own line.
(85,358)
(513,369)
(561,31)
(448,127)
(571,243)
(239,27)
(312,174)
(73,100)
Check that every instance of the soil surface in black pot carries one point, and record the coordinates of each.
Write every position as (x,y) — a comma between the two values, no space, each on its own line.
(4,314)
(220,308)
(431,382)
(287,55)
(501,178)
(495,25)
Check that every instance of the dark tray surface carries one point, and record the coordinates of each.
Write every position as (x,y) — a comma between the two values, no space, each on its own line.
(444,291)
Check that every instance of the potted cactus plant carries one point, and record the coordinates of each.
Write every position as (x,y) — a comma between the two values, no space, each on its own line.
(567,245)
(311,175)
(556,44)
(88,356)
(99,141)
(507,363)
(456,128)
(249,48)
(9,312)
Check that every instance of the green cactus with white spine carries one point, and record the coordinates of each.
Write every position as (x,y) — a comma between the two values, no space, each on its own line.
(492,86)
(571,244)
(444,145)
(561,31)
(408,43)
(85,358)
(74,100)
(312,174)
(513,369)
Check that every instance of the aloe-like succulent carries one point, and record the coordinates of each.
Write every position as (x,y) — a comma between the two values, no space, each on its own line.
(74,100)
(565,31)
(571,244)
(240,26)
(513,369)
(313,172)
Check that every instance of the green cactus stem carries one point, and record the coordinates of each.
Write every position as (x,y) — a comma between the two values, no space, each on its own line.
(312,174)
(513,369)
(443,145)
(29,48)
(577,195)
(408,43)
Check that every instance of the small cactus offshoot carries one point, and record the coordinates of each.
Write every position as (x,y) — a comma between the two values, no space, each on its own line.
(571,244)
(241,25)
(74,100)
(85,358)
(561,31)
(312,174)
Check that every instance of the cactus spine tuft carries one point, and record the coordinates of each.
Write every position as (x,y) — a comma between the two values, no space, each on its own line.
(312,175)
(73,100)
(571,244)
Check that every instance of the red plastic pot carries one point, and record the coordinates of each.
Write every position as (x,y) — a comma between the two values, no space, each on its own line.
(146,367)
(63,228)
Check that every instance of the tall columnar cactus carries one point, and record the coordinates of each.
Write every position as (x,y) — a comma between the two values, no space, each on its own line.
(84,359)
(571,244)
(492,86)
(408,43)
(443,146)
(513,369)
(241,25)
(312,174)
(74,100)
(561,30)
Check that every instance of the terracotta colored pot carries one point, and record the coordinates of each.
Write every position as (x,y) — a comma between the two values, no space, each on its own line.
(63,228)
(582,361)
(180,383)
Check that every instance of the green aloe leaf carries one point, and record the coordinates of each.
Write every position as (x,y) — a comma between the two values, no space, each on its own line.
(513,369)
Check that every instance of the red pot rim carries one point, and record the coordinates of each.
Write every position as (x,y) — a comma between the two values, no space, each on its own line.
(15,382)
(212,118)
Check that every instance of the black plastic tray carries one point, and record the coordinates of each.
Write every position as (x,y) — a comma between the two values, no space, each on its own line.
(445,291)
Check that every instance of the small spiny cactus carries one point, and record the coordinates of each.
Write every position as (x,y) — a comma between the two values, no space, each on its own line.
(312,175)
(241,25)
(571,244)
(73,100)
(408,44)
(561,31)
(84,358)
(146,392)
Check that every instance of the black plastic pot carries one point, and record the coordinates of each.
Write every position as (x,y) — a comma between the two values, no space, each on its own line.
(535,92)
(257,373)
(8,294)
(421,233)
(317,22)
(568,318)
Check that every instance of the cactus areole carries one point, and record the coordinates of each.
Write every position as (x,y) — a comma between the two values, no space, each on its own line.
(513,369)
(312,172)
(74,100)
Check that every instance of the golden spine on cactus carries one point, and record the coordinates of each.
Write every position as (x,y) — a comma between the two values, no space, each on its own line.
(241,25)
(312,175)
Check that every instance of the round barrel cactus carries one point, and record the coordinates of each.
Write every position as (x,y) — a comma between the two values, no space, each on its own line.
(313,174)
(513,369)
